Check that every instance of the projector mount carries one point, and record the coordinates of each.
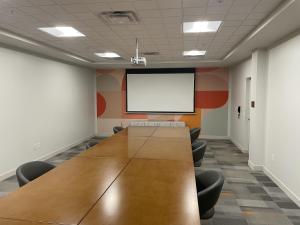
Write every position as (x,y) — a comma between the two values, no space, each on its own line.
(137,60)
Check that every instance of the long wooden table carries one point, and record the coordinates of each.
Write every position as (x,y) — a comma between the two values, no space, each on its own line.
(140,176)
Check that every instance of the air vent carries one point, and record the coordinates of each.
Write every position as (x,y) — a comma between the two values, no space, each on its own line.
(119,17)
(150,53)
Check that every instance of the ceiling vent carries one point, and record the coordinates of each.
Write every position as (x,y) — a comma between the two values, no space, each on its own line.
(119,17)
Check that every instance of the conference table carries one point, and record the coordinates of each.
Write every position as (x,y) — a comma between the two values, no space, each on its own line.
(139,176)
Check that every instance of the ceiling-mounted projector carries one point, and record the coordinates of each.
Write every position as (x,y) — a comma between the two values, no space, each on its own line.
(137,60)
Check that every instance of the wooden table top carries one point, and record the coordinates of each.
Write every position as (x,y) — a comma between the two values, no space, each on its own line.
(64,194)
(149,192)
(20,222)
(140,176)
(119,146)
(175,132)
(166,148)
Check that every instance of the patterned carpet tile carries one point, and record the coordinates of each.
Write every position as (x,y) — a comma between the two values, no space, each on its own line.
(248,197)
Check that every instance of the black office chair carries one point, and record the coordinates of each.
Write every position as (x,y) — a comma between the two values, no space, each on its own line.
(209,187)
(117,129)
(91,144)
(194,132)
(198,149)
(32,170)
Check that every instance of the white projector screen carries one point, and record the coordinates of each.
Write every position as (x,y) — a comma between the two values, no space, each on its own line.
(160,92)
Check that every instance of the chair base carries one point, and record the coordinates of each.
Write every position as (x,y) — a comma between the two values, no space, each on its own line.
(198,164)
(208,214)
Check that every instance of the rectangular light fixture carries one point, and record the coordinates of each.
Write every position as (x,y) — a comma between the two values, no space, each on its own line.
(110,55)
(194,53)
(201,26)
(62,31)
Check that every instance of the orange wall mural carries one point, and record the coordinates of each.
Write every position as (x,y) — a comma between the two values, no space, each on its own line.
(211,96)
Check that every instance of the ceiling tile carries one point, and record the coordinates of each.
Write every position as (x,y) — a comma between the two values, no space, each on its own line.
(222,2)
(97,8)
(148,13)
(171,12)
(150,4)
(159,27)
(266,6)
(193,11)
(119,6)
(31,10)
(236,16)
(76,8)
(85,16)
(42,2)
(195,3)
(53,9)
(169,4)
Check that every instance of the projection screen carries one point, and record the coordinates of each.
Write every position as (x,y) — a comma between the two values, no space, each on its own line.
(160,92)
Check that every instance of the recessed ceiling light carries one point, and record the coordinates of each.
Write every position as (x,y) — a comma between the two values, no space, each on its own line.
(62,31)
(194,53)
(108,55)
(201,26)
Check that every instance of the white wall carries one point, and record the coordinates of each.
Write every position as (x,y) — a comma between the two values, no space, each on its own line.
(238,127)
(283,123)
(258,112)
(42,101)
(274,125)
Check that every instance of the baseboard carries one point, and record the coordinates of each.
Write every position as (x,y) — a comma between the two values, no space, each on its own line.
(255,167)
(242,148)
(12,172)
(285,189)
(213,137)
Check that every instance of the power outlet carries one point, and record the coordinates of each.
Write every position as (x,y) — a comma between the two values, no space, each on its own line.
(37,146)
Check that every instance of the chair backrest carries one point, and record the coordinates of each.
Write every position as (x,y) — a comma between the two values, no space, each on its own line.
(32,170)
(117,129)
(194,132)
(198,148)
(209,186)
(91,144)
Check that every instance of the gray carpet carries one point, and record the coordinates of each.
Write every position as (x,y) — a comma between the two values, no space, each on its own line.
(248,198)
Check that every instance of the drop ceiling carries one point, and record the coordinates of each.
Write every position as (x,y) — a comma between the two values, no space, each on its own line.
(159,28)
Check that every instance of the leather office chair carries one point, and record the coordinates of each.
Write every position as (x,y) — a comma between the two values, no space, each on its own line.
(91,144)
(209,187)
(32,170)
(117,129)
(194,132)
(198,149)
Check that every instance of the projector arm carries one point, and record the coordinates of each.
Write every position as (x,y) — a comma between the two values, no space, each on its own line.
(138,60)
(137,48)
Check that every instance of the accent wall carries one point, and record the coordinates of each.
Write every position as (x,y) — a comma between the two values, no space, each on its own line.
(211,107)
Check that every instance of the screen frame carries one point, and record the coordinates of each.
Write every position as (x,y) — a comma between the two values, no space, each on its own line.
(160,71)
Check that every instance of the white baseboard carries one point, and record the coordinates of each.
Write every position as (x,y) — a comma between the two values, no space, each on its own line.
(213,137)
(12,172)
(242,148)
(255,167)
(285,189)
